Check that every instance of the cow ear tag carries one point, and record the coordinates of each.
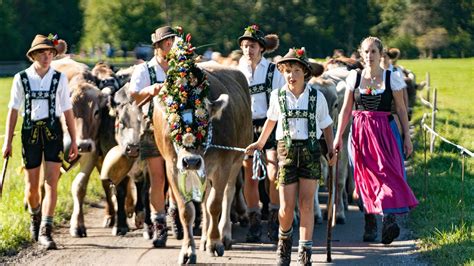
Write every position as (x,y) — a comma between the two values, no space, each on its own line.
(187,116)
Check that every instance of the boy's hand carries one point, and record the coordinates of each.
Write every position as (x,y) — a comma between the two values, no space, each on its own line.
(332,158)
(7,150)
(72,151)
(252,147)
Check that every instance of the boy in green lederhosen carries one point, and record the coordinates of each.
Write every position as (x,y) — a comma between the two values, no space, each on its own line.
(301,116)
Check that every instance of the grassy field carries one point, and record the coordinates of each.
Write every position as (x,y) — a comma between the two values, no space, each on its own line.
(444,219)
(14,220)
(442,222)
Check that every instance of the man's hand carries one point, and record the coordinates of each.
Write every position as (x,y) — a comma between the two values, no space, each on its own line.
(252,147)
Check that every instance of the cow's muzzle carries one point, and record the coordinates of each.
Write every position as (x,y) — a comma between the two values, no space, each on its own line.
(132,150)
(192,162)
(85,146)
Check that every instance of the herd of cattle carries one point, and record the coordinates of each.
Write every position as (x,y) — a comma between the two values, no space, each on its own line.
(109,124)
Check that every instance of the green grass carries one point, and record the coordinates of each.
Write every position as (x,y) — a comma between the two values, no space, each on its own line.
(443,222)
(14,220)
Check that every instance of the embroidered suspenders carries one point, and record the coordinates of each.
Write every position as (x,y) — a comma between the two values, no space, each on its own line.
(153,80)
(50,95)
(36,95)
(309,114)
(267,86)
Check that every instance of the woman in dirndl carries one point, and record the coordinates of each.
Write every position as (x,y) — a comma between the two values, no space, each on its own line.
(378,164)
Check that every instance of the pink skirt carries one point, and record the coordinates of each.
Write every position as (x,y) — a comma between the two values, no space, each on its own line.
(378,166)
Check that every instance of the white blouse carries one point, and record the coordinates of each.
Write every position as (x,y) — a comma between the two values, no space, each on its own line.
(396,82)
(299,126)
(40,107)
(259,101)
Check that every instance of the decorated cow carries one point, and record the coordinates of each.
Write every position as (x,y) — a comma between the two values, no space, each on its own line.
(197,106)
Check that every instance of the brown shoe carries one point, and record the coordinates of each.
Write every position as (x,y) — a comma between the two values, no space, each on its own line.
(160,233)
(176,225)
(35,225)
(304,256)
(390,229)
(284,251)
(370,228)
(273,225)
(45,238)
(255,230)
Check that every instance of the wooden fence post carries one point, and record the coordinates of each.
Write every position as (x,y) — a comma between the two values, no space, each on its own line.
(433,120)
(428,85)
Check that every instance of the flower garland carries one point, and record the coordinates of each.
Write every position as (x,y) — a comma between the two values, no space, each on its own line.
(184,95)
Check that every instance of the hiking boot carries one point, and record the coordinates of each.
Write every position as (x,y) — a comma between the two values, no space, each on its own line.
(147,231)
(370,228)
(390,229)
(304,256)
(284,251)
(255,230)
(273,225)
(45,238)
(35,225)
(160,233)
(176,225)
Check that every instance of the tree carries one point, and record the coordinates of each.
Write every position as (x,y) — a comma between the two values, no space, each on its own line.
(8,34)
(433,39)
(121,22)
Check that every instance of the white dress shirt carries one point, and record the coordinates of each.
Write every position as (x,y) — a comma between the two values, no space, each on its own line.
(299,126)
(140,78)
(259,101)
(40,107)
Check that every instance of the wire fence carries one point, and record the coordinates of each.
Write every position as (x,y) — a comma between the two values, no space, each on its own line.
(425,129)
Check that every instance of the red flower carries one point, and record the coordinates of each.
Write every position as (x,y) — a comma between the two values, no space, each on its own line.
(188,37)
(255,27)
(199,136)
(178,137)
(300,52)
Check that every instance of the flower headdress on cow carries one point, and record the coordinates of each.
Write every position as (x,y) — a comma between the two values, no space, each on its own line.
(184,95)
(269,42)
(41,42)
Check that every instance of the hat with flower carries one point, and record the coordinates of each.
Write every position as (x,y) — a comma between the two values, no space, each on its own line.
(269,42)
(297,55)
(162,33)
(41,42)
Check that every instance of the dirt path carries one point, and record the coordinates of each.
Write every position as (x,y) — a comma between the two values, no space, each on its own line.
(101,248)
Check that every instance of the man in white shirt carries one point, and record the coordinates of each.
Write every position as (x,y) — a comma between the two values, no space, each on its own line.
(146,81)
(263,78)
(43,94)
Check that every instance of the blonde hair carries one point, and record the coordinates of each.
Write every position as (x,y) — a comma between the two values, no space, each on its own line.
(372,39)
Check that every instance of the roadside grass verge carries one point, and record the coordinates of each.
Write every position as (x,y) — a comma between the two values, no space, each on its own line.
(14,220)
(443,222)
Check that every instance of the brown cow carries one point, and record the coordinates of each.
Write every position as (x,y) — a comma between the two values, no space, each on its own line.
(229,109)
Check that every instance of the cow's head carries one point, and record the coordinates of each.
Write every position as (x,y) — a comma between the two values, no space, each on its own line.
(193,158)
(127,124)
(106,79)
(87,101)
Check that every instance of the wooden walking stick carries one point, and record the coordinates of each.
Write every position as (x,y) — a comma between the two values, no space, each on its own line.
(4,173)
(331,208)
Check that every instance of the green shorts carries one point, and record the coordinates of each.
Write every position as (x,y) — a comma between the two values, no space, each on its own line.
(298,162)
